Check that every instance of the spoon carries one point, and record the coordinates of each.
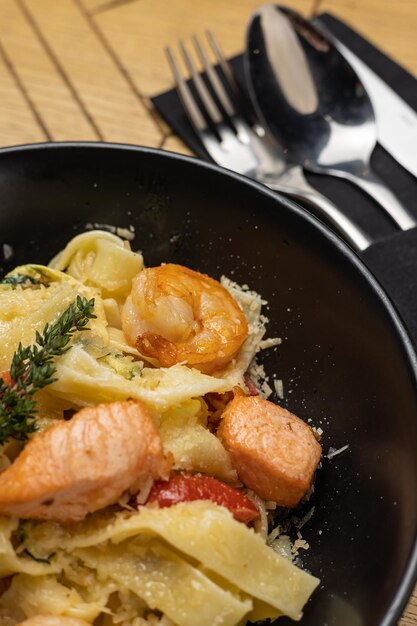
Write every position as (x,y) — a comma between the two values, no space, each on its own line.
(314,103)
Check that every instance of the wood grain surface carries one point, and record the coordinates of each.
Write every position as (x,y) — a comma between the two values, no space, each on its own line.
(84,69)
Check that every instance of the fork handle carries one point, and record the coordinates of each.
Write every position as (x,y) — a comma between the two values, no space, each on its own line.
(301,189)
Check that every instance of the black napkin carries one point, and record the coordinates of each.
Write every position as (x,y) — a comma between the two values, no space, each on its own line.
(393,256)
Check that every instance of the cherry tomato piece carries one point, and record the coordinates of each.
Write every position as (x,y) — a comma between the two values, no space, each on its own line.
(188,487)
(6,377)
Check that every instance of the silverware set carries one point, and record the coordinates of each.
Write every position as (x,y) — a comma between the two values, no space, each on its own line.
(307,110)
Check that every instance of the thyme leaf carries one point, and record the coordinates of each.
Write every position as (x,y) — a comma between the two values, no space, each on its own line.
(18,279)
(32,369)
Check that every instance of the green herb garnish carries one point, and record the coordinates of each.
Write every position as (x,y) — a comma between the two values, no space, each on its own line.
(28,277)
(18,279)
(32,369)
(39,559)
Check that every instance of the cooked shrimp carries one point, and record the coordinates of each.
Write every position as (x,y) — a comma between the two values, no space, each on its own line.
(85,464)
(53,620)
(273,451)
(175,314)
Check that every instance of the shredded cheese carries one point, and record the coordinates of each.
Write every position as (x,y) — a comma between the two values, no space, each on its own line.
(333,452)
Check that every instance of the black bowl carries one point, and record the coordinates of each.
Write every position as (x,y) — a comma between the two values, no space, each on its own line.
(346,360)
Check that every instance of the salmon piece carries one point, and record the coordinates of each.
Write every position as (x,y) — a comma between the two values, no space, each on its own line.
(53,620)
(273,451)
(85,464)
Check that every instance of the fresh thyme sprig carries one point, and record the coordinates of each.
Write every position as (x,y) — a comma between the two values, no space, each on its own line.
(32,369)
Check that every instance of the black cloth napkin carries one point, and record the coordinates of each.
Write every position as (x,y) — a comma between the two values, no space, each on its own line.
(393,256)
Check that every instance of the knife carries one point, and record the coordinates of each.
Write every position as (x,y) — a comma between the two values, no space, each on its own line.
(396,120)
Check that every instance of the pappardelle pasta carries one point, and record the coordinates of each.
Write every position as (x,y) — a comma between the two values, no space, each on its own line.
(138,459)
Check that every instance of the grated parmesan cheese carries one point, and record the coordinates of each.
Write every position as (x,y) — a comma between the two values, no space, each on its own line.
(318,431)
(257,372)
(124,500)
(333,452)
(265,390)
(299,544)
(270,343)
(251,304)
(283,546)
(299,523)
(145,490)
(279,388)
(8,251)
(261,525)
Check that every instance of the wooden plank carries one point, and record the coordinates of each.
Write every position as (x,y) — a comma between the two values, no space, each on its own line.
(172,143)
(50,95)
(139,32)
(17,122)
(100,6)
(410,614)
(118,114)
(390,25)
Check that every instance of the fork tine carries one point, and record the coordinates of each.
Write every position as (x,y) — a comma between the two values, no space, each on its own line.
(185,94)
(206,98)
(244,104)
(219,140)
(214,79)
(223,62)
(228,139)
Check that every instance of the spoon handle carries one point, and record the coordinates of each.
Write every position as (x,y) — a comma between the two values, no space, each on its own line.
(294,184)
(377,189)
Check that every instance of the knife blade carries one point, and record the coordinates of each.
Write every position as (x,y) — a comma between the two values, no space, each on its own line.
(396,120)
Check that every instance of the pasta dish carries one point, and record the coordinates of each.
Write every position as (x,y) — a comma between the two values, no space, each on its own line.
(140,460)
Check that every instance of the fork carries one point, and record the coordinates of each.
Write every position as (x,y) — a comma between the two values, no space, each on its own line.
(235,140)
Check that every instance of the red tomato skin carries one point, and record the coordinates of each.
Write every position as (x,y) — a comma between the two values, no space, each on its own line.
(250,384)
(6,377)
(188,487)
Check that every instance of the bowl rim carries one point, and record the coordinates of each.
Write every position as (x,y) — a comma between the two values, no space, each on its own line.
(409,576)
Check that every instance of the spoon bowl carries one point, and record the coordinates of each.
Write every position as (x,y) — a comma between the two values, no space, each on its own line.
(313,102)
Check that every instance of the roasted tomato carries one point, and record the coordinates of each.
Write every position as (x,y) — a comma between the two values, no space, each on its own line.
(251,386)
(187,487)
(5,376)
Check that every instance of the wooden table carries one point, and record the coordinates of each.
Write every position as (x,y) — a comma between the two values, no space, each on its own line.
(84,69)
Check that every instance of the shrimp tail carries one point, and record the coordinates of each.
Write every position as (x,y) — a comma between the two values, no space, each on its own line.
(155,346)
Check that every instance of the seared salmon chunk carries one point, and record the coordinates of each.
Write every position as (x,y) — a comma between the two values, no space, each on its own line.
(273,451)
(85,464)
